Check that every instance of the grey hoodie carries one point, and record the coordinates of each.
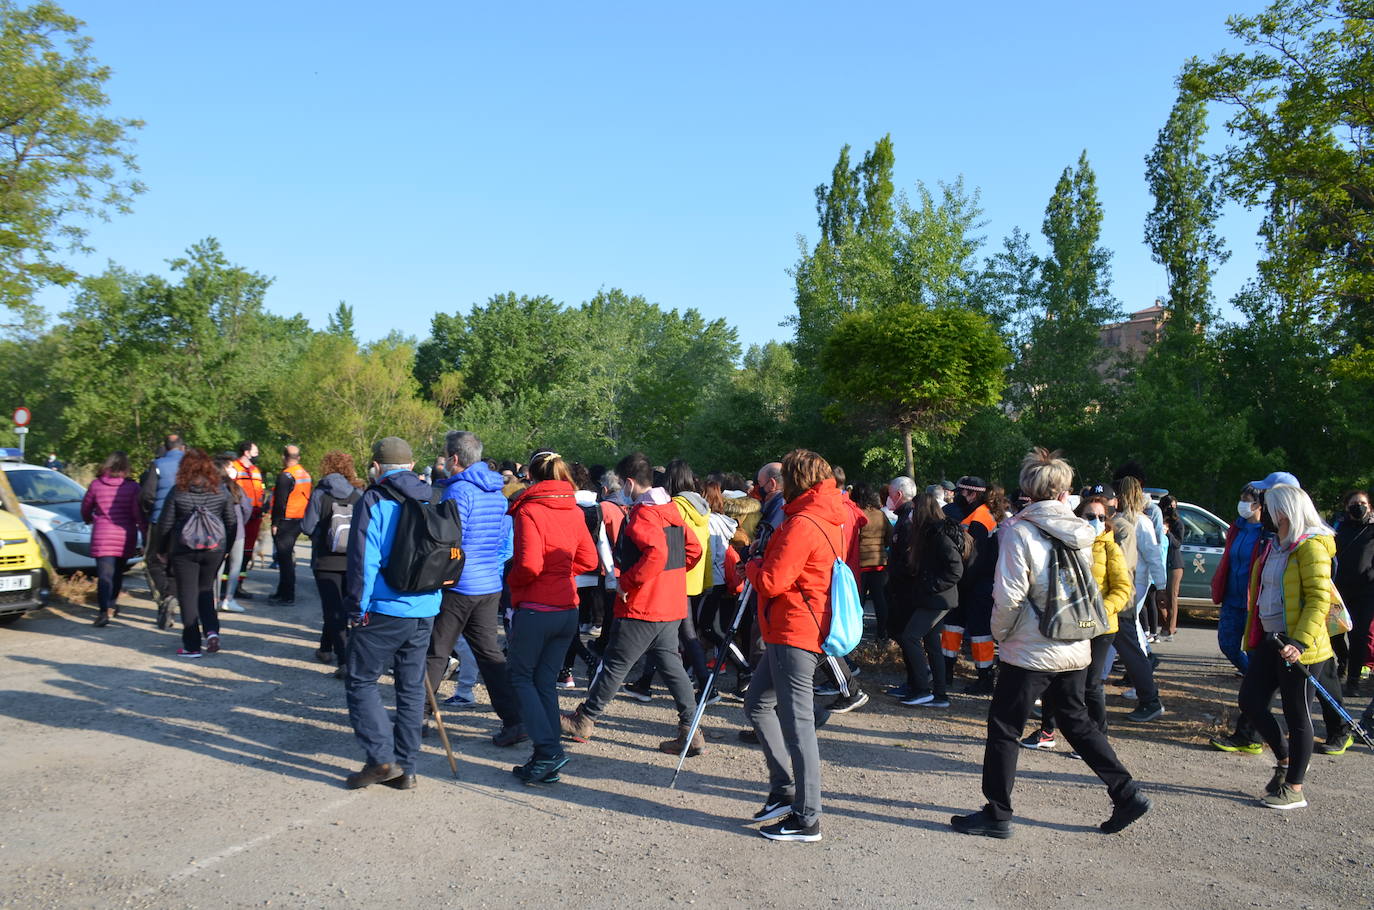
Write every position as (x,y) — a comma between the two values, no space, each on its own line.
(1023,575)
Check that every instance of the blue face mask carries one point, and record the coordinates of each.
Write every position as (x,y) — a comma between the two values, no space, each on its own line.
(1096,525)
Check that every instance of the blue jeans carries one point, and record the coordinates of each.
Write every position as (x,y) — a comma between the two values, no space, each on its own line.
(538,640)
(1230,632)
(397,643)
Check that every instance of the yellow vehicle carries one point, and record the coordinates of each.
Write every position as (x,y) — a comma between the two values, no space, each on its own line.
(23,583)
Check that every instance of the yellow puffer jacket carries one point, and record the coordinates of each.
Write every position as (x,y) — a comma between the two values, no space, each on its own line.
(1109,571)
(1306,598)
(697,516)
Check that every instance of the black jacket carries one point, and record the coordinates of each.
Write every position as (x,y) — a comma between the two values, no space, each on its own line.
(182,503)
(1355,561)
(939,567)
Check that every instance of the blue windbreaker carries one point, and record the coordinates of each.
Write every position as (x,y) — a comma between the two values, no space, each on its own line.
(369,543)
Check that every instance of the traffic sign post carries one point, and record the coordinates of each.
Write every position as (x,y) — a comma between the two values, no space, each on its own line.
(21,418)
(23,434)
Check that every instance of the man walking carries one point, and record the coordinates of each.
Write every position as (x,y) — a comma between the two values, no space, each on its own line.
(657,551)
(246,474)
(158,482)
(472,608)
(289,499)
(390,629)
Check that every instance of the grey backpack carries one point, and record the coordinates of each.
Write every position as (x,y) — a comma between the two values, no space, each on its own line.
(1073,608)
(203,530)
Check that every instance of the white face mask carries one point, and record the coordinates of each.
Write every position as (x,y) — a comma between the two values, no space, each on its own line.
(1246,510)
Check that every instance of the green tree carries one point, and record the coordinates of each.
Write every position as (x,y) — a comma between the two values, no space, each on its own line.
(341,322)
(912,368)
(61,159)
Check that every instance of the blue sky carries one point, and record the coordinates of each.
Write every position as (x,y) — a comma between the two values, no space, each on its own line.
(422,157)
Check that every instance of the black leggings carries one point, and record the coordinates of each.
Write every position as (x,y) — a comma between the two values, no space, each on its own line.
(333,616)
(925,662)
(873,584)
(1266,675)
(109,573)
(195,572)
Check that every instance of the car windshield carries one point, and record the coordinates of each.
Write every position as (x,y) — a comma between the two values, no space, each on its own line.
(1200,529)
(38,488)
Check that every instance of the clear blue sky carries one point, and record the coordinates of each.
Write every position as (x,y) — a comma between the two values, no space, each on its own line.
(422,157)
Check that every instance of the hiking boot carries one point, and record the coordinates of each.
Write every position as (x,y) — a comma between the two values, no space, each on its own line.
(510,735)
(792,829)
(1286,798)
(981,823)
(674,746)
(1146,712)
(1338,747)
(578,725)
(1126,812)
(1040,740)
(639,692)
(775,806)
(1233,743)
(372,774)
(1276,780)
(845,704)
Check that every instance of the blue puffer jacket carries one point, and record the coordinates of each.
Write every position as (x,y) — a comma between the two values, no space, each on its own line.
(486,527)
(369,543)
(166,470)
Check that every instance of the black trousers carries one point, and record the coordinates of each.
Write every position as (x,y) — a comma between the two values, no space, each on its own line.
(333,616)
(1094,693)
(1133,655)
(1266,675)
(284,548)
(159,565)
(473,616)
(873,585)
(195,572)
(925,663)
(1016,691)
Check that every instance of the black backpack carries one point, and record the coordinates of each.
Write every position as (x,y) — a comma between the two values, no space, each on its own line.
(426,553)
(592,516)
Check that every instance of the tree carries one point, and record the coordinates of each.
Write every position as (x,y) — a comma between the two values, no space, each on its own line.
(61,159)
(912,368)
(341,322)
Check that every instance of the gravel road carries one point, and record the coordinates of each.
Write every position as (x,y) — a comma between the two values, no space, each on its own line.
(138,779)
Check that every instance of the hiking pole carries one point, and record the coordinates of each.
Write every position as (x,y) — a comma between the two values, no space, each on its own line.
(721,657)
(1279,641)
(439,722)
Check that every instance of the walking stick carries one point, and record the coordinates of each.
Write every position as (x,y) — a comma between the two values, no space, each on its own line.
(439,722)
(721,655)
(1279,642)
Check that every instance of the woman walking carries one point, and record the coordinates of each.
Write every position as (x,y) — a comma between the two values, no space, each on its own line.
(552,547)
(196,522)
(111,507)
(793,583)
(233,557)
(328,517)
(1355,581)
(936,560)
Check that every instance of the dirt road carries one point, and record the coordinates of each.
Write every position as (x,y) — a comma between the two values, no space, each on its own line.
(134,778)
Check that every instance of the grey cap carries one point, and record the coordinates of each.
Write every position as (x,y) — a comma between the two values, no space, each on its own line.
(392,450)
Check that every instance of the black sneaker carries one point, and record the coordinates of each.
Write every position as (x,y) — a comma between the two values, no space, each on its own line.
(1125,813)
(776,806)
(638,692)
(791,828)
(981,823)
(540,771)
(749,735)
(845,704)
(281,601)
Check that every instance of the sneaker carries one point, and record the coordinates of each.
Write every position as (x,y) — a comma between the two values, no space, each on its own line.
(230,606)
(902,691)
(776,806)
(1338,747)
(749,735)
(923,698)
(193,655)
(584,628)
(212,643)
(1040,740)
(1076,756)
(827,691)
(281,601)
(541,770)
(449,668)
(1125,813)
(638,692)
(458,700)
(1129,694)
(844,705)
(1276,780)
(1232,743)
(939,701)
(1286,798)
(565,680)
(594,631)
(712,699)
(981,823)
(792,829)
(1147,712)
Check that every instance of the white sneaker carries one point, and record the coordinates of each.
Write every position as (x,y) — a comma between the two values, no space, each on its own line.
(230,606)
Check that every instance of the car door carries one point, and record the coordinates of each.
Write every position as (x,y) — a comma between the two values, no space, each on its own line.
(1204,540)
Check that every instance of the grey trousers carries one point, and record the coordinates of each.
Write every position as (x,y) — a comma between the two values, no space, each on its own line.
(630,640)
(781,704)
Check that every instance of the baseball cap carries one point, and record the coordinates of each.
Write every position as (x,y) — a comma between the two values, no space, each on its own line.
(392,450)
(1105,490)
(946,485)
(1275,478)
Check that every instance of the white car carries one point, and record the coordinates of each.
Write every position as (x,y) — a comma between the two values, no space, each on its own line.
(52,506)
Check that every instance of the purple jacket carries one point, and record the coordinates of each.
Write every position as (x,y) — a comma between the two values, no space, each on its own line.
(111,506)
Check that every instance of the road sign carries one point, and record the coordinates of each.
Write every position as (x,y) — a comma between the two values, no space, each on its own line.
(22,416)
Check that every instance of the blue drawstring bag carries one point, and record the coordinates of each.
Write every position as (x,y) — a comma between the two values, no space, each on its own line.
(846,608)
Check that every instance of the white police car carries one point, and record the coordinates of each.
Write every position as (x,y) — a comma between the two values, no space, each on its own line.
(51,502)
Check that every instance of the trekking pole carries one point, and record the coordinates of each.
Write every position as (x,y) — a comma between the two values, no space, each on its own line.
(745,593)
(439,722)
(1326,696)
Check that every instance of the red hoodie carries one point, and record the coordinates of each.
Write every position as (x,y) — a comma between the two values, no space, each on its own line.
(793,578)
(654,586)
(552,546)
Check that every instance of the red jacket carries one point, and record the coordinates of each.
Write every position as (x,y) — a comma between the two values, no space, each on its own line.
(793,578)
(654,586)
(857,519)
(552,546)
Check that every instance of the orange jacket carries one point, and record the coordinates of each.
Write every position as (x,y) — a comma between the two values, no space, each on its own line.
(983,516)
(249,479)
(654,586)
(793,578)
(300,492)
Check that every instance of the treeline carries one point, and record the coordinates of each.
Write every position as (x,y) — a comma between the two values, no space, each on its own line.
(910,329)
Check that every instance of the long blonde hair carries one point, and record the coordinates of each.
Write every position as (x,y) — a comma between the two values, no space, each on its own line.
(1130,497)
(1294,504)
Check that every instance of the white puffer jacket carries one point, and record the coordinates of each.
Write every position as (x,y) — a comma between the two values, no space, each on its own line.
(1023,574)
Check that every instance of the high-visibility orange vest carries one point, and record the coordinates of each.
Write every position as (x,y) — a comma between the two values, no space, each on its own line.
(983,516)
(300,493)
(249,479)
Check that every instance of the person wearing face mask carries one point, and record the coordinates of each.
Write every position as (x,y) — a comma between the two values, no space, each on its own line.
(1230,587)
(249,478)
(1355,581)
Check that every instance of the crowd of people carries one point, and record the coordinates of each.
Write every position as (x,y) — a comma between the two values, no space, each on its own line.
(649,573)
